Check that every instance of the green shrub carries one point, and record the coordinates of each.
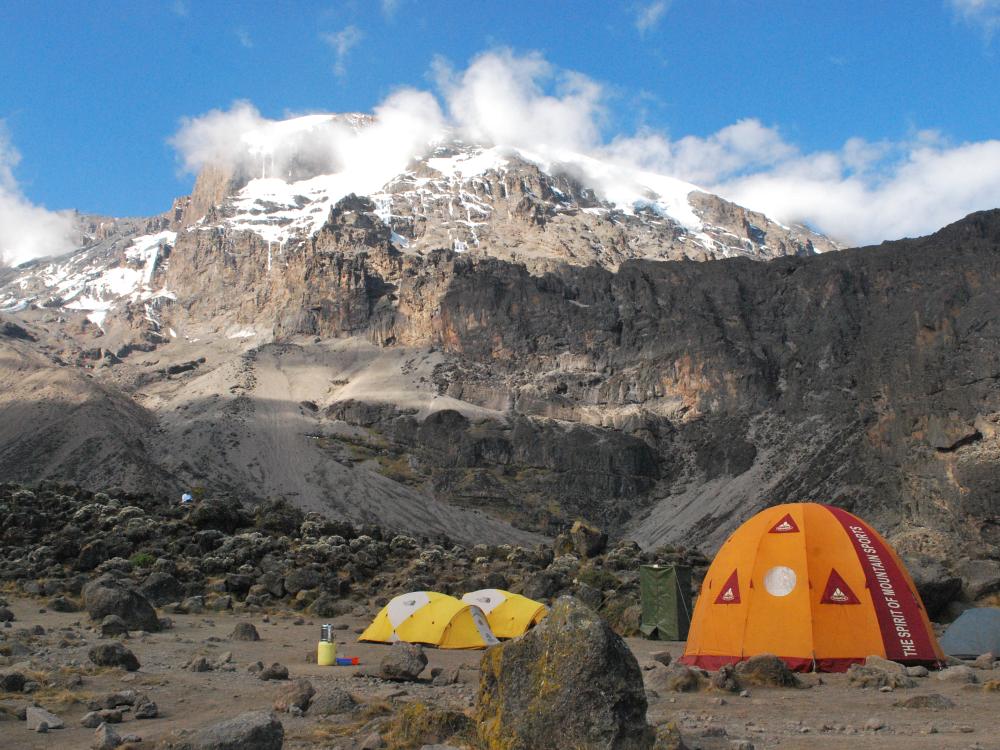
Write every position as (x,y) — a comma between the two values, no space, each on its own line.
(142,560)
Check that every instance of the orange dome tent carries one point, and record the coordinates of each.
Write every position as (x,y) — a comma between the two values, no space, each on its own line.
(814,585)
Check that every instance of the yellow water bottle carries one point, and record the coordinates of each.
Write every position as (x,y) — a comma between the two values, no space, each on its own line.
(326,651)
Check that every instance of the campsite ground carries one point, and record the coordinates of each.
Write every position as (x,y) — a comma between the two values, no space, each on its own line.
(826,714)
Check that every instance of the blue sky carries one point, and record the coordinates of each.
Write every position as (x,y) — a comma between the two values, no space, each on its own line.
(91,93)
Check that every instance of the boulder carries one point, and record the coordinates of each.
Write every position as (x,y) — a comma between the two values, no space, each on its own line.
(571,682)
(162,588)
(6,615)
(91,555)
(663,657)
(766,670)
(677,678)
(937,587)
(588,541)
(331,701)
(886,665)
(223,514)
(35,717)
(238,584)
(254,730)
(295,695)
(298,579)
(113,700)
(544,584)
(112,626)
(862,676)
(588,595)
(113,655)
(961,673)
(979,577)
(199,664)
(109,596)
(441,677)
(278,515)
(12,682)
(273,582)
(145,709)
(984,661)
(244,631)
(404,661)
(106,738)
(274,672)
(62,604)
(725,679)
(326,606)
(928,700)
(94,719)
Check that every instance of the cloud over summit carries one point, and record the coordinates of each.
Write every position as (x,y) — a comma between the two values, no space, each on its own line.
(860,192)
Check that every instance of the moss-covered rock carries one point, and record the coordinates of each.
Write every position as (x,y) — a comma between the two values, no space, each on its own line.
(569,683)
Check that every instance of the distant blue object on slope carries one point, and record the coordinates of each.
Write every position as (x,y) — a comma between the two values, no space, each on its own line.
(186,498)
(975,632)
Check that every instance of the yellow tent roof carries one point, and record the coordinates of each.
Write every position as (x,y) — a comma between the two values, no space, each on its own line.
(509,615)
(430,618)
(814,585)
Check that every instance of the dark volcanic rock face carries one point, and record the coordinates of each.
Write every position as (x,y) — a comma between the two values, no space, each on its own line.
(665,400)
(866,378)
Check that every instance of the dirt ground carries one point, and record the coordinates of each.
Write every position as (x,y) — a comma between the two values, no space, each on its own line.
(827,714)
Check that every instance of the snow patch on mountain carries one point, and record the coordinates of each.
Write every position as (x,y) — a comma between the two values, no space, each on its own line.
(277,210)
(96,285)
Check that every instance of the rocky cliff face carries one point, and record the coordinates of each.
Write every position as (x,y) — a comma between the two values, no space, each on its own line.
(486,347)
(670,399)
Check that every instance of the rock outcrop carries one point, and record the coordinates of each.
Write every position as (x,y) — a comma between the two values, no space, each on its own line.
(569,683)
(255,729)
(109,595)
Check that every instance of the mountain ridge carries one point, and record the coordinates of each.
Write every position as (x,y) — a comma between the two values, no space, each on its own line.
(376,370)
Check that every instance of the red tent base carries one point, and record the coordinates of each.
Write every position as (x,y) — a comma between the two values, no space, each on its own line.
(794,663)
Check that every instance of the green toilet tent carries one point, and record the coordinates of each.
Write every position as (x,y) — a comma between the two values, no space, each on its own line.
(666,601)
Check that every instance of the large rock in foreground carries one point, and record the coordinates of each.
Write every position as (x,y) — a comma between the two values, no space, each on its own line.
(570,683)
(108,596)
(254,730)
(404,661)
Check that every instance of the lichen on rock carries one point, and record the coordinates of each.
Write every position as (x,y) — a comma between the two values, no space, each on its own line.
(571,682)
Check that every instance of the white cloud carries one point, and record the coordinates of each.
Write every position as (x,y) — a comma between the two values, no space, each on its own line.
(501,99)
(648,16)
(406,124)
(900,190)
(215,136)
(735,148)
(982,13)
(181,8)
(244,38)
(389,7)
(342,42)
(861,192)
(27,230)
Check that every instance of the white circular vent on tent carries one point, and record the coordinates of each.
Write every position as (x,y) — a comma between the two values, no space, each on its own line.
(779,581)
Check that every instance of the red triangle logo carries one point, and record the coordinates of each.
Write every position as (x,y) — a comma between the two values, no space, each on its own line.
(730,592)
(837,591)
(786,525)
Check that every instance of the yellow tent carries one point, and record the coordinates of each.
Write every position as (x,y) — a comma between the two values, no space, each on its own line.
(432,619)
(509,615)
(814,585)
